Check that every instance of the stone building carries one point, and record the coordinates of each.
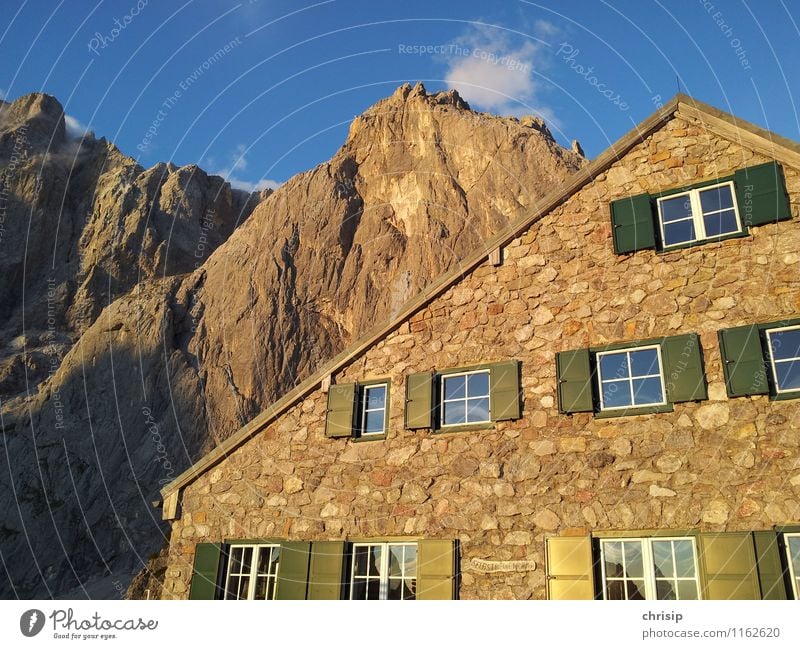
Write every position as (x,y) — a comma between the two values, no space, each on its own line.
(596,404)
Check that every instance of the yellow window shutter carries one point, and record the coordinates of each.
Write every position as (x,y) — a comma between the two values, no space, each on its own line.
(729,565)
(570,573)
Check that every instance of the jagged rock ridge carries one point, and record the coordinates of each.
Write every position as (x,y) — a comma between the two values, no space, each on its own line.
(186,353)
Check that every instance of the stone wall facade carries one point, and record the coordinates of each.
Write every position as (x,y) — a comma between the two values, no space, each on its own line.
(716,465)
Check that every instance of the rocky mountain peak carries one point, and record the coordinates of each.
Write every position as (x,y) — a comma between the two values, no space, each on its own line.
(163,310)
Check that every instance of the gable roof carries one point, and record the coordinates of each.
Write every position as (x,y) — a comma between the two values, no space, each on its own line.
(713,119)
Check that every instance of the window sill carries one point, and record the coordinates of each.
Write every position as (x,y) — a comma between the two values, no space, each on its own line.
(489,425)
(703,242)
(784,396)
(370,438)
(628,412)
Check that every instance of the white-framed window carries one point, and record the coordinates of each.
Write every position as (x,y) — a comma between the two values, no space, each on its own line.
(373,417)
(792,542)
(698,214)
(784,356)
(252,571)
(649,568)
(465,398)
(384,571)
(631,378)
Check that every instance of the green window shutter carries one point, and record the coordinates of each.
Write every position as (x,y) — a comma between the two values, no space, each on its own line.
(729,564)
(293,570)
(506,391)
(341,406)
(770,567)
(325,574)
(743,361)
(761,194)
(683,368)
(205,573)
(574,377)
(436,569)
(633,224)
(419,400)
(570,569)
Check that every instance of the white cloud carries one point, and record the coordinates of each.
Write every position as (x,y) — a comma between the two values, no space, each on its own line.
(495,74)
(238,163)
(75,129)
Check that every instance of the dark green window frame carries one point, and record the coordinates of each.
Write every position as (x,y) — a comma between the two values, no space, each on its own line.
(345,413)
(759,194)
(505,395)
(741,233)
(683,376)
(747,360)
(358,428)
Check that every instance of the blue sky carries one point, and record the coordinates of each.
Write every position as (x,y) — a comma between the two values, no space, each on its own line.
(280,97)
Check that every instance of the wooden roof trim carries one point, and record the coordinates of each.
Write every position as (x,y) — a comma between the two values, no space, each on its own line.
(716,120)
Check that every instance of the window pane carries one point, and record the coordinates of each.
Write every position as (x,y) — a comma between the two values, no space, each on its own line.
(785,344)
(232,588)
(633,559)
(478,385)
(644,362)
(375,560)
(375,397)
(261,588)
(454,387)
(373,421)
(396,561)
(247,559)
(612,556)
(395,589)
(684,559)
(662,559)
(614,366)
(454,412)
(665,589)
(794,552)
(615,589)
(680,232)
(411,561)
(244,586)
(264,556)
(478,409)
(719,198)
(236,561)
(676,208)
(410,589)
(687,589)
(720,223)
(616,394)
(373,589)
(788,375)
(635,589)
(360,562)
(359,588)
(647,391)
